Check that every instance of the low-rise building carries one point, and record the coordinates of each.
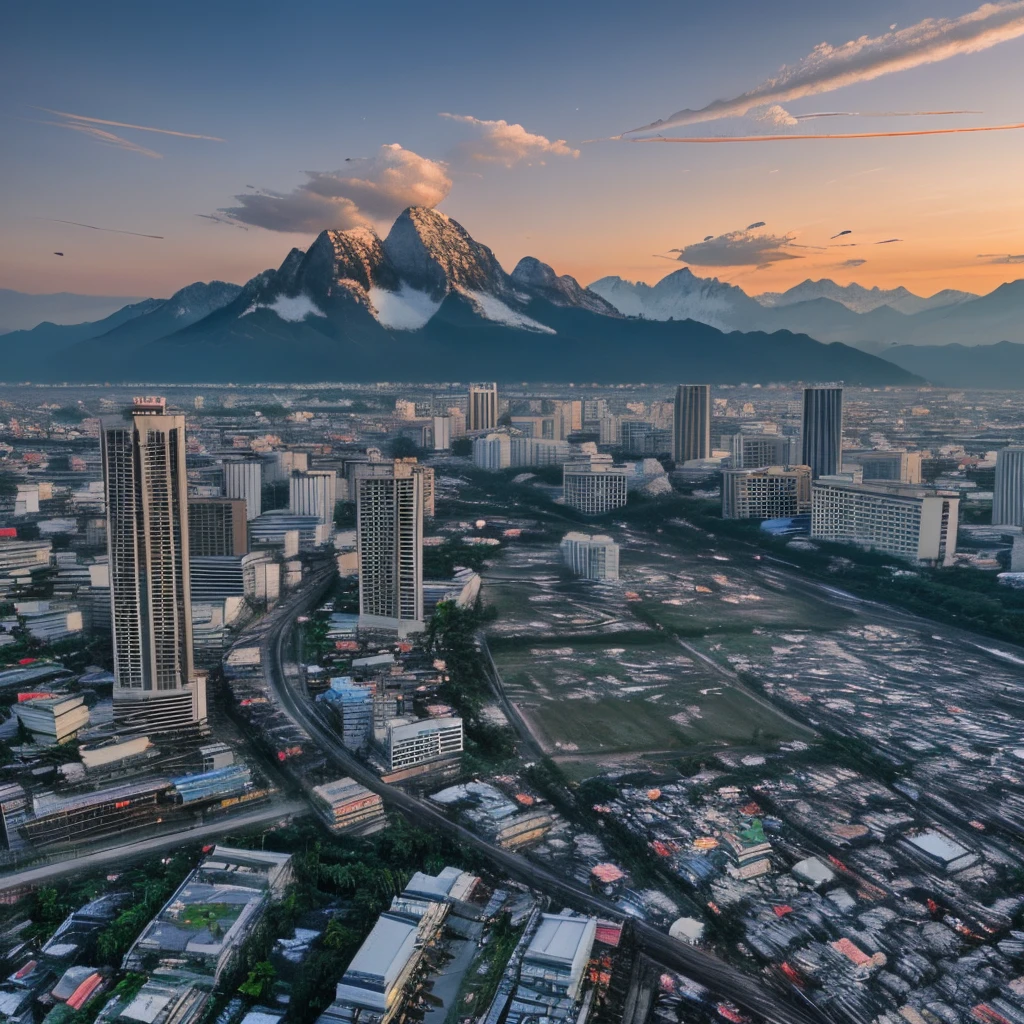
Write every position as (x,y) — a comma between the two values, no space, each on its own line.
(347,807)
(909,522)
(769,492)
(411,743)
(594,487)
(54,719)
(594,557)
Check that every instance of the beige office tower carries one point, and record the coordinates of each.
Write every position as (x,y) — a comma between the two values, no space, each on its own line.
(156,687)
(389,548)
(483,407)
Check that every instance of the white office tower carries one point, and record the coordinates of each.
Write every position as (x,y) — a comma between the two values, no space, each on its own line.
(442,428)
(1008,499)
(592,557)
(594,487)
(822,436)
(389,549)
(243,478)
(313,493)
(483,407)
(155,683)
(418,742)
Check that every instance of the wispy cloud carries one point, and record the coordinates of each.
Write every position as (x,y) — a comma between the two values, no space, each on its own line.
(829,67)
(845,135)
(369,189)
(94,227)
(1001,258)
(850,264)
(499,142)
(107,138)
(81,118)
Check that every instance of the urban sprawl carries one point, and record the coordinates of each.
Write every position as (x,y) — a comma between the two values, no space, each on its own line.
(538,704)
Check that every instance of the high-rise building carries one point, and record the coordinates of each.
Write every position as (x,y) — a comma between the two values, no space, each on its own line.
(156,686)
(910,522)
(592,557)
(442,428)
(482,413)
(822,438)
(1008,497)
(313,493)
(389,548)
(243,478)
(594,487)
(217,526)
(774,492)
(385,469)
(691,435)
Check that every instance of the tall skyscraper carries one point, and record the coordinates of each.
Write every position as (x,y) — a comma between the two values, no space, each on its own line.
(156,686)
(483,407)
(1008,498)
(691,435)
(243,478)
(389,545)
(313,493)
(822,439)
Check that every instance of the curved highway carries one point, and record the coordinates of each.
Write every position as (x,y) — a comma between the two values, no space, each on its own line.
(720,977)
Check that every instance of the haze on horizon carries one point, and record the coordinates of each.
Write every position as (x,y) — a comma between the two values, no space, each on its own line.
(205,141)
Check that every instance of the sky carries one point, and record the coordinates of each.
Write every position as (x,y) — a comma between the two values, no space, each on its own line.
(518,120)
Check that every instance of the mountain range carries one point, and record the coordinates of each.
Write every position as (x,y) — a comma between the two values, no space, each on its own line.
(425,302)
(21,310)
(870,319)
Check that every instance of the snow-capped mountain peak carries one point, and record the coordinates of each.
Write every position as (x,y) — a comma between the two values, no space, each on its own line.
(538,278)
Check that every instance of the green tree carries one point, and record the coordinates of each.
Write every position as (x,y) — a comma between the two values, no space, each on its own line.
(462,446)
(260,982)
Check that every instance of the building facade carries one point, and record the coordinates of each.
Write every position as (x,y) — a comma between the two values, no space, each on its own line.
(482,412)
(822,438)
(313,493)
(890,467)
(415,743)
(243,478)
(753,451)
(594,489)
(217,527)
(774,492)
(389,549)
(156,686)
(909,522)
(593,557)
(691,433)
(1008,497)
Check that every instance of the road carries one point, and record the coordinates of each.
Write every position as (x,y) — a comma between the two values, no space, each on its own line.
(132,851)
(720,977)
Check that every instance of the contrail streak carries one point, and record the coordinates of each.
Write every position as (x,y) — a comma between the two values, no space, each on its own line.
(882,113)
(93,227)
(850,135)
(123,124)
(829,67)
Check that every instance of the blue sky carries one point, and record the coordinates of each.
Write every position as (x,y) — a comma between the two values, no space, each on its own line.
(300,88)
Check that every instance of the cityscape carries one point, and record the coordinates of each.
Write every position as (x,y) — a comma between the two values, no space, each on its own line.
(419,604)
